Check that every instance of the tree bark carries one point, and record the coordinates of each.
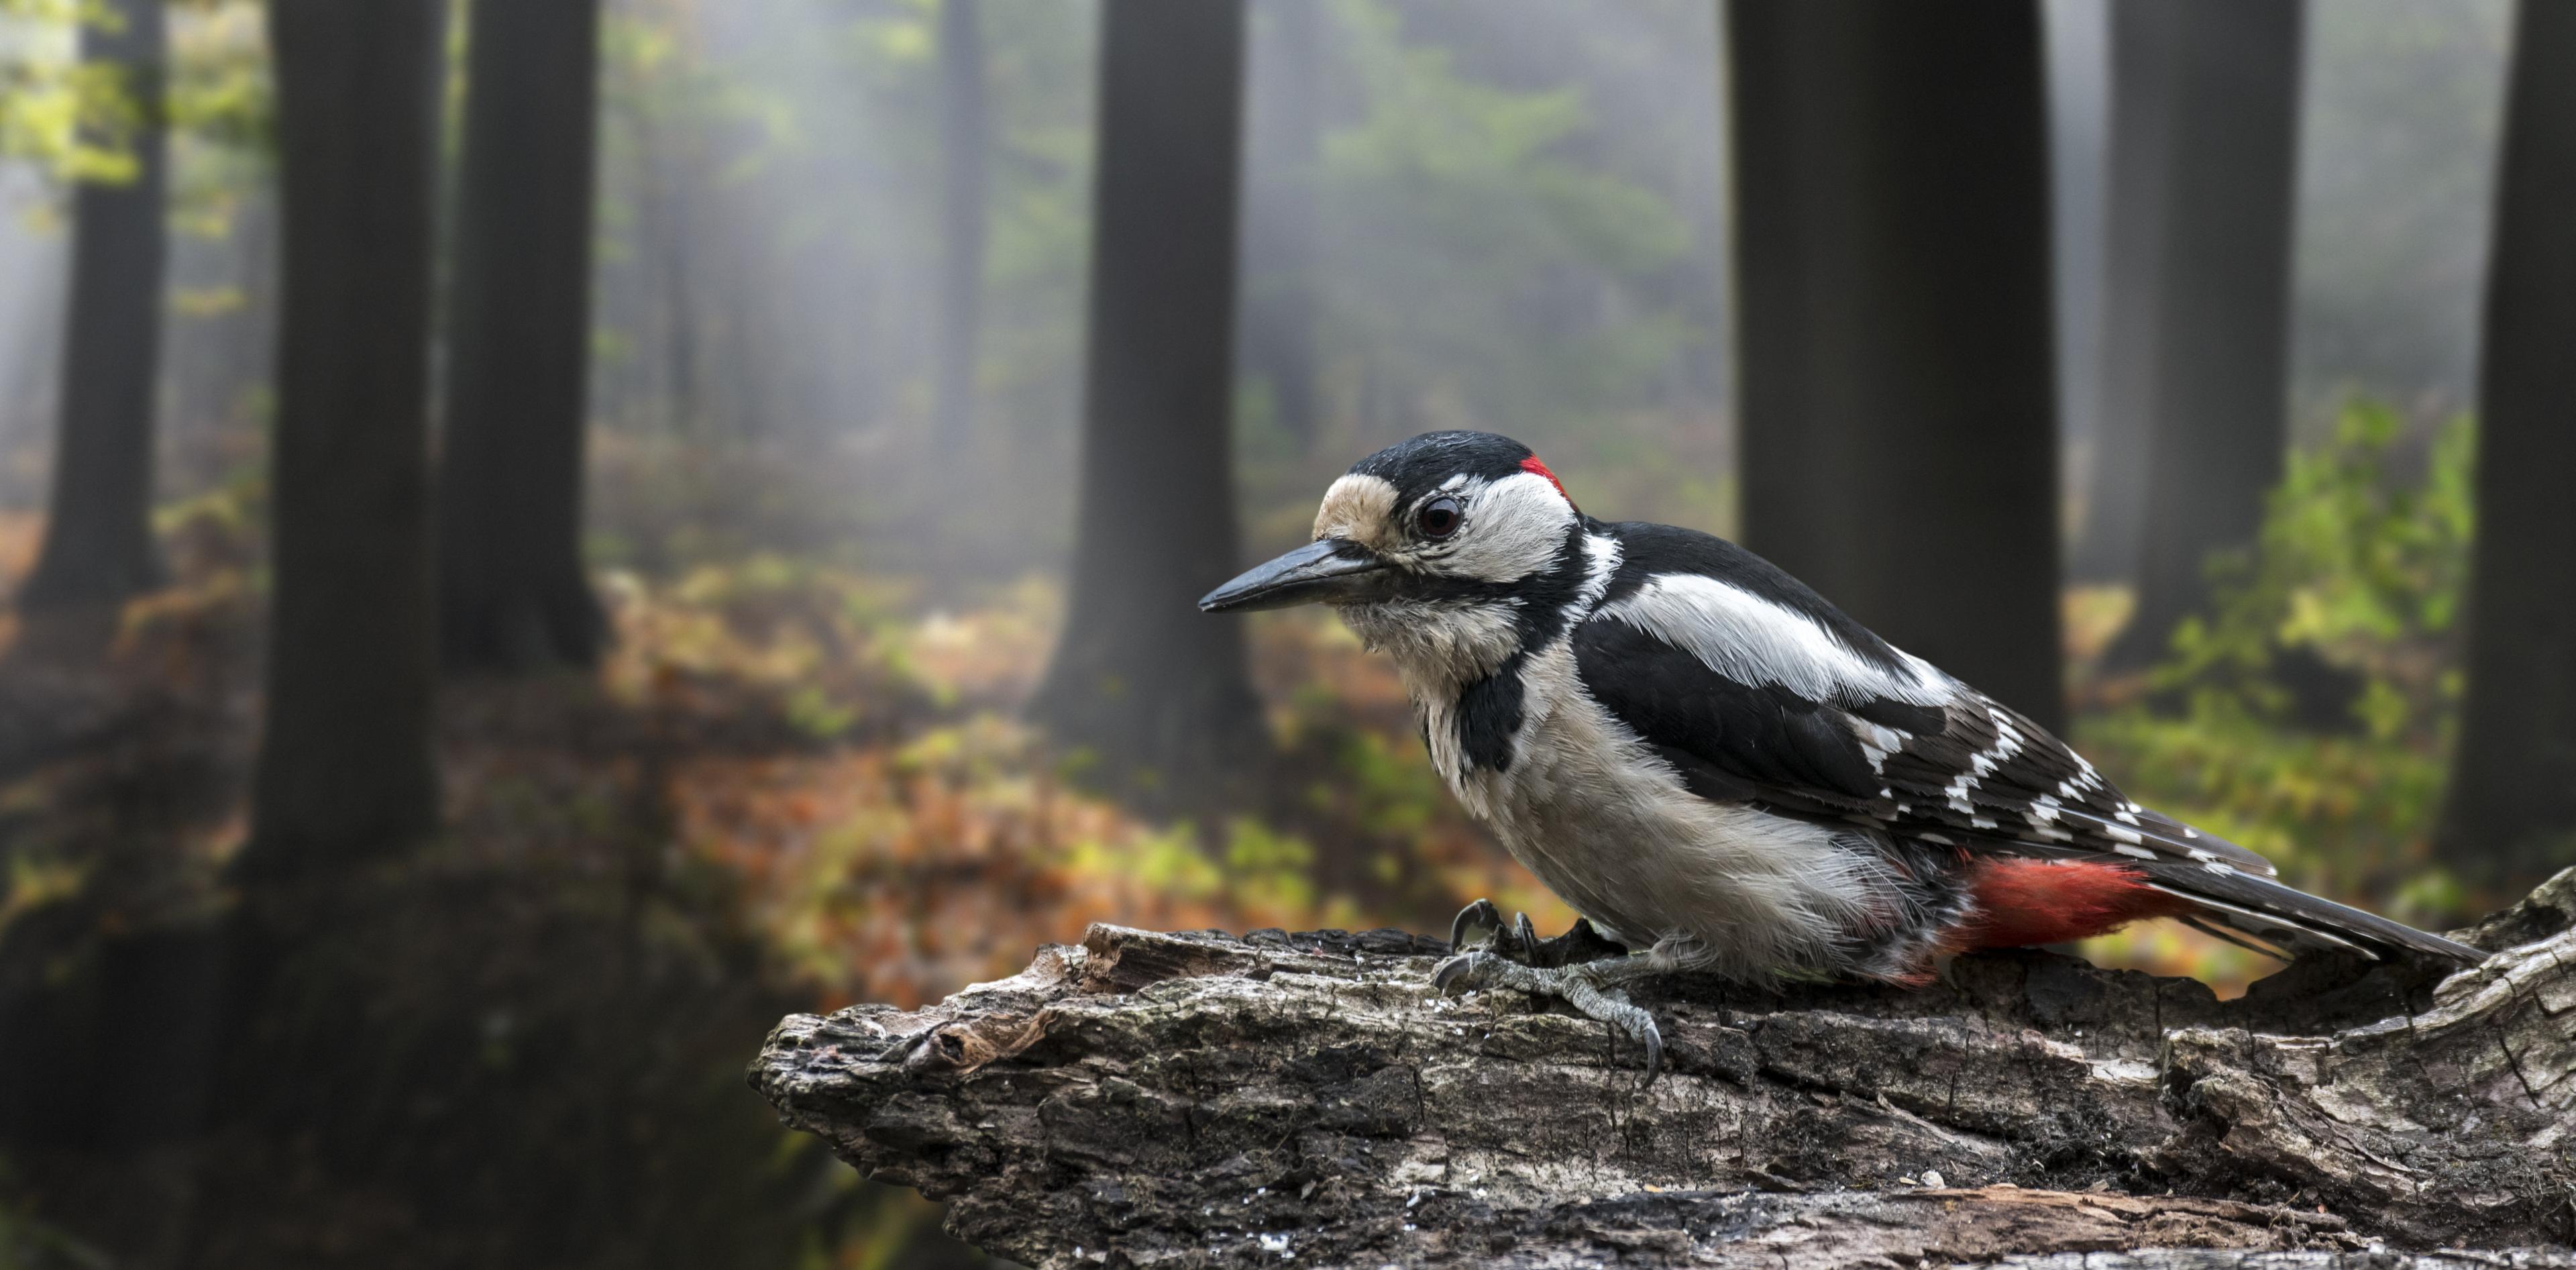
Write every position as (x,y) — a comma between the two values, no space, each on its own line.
(1283,223)
(965,143)
(2512,805)
(2206,141)
(1199,1099)
(98,530)
(1892,274)
(344,768)
(1140,677)
(513,595)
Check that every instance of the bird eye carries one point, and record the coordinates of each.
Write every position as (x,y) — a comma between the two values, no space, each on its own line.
(1439,518)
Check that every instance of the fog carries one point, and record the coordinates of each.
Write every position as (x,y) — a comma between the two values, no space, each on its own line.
(1504,215)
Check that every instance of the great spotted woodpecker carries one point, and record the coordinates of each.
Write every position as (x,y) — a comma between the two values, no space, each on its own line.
(1722,771)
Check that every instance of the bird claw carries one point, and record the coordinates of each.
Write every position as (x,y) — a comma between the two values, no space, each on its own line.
(1478,923)
(1481,925)
(1581,986)
(1457,974)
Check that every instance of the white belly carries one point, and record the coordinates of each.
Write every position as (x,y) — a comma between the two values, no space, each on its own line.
(1609,827)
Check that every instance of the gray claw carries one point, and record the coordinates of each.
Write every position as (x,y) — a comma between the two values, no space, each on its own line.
(1458,972)
(1478,923)
(1654,1039)
(1525,938)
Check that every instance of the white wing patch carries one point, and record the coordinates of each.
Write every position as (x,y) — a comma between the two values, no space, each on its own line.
(1752,641)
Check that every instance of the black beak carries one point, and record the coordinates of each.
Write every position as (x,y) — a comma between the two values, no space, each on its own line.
(1322,571)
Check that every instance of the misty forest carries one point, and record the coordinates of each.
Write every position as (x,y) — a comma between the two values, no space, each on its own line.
(539,536)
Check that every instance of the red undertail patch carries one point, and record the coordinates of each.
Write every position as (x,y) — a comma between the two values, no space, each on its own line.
(1536,468)
(2021,902)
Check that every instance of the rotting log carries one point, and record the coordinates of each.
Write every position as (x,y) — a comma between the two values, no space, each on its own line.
(1207,1100)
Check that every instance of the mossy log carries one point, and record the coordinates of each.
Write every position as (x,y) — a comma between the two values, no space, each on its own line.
(1206,1100)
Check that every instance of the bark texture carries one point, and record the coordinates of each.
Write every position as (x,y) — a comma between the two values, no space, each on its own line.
(1203,1100)
(1153,687)
(1897,386)
(2513,781)
(344,764)
(513,596)
(98,530)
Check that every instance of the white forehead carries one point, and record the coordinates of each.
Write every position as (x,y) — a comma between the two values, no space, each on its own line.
(1359,507)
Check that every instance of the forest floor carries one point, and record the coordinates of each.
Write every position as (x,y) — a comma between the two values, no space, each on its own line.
(792,786)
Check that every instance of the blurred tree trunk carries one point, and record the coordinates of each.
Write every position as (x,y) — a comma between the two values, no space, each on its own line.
(98,530)
(344,767)
(965,143)
(1891,249)
(1140,676)
(513,596)
(2205,144)
(2140,114)
(1284,219)
(2512,809)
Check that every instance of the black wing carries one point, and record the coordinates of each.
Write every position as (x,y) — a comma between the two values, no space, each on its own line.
(1965,772)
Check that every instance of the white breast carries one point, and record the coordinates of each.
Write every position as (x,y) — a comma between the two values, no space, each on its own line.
(1609,826)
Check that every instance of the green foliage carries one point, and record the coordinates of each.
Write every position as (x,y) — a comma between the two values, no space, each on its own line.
(2359,564)
(2360,568)
(75,121)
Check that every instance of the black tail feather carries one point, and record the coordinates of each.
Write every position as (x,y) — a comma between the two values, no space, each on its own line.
(2275,913)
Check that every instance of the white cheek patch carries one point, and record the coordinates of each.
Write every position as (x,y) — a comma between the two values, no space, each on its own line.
(1752,641)
(1514,528)
(1360,508)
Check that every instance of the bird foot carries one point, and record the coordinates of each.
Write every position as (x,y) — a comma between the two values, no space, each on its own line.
(1589,985)
(1480,925)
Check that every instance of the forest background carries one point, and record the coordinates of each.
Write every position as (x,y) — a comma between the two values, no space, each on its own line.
(543,536)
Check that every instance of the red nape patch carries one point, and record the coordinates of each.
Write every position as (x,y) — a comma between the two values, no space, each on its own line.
(2025,902)
(1536,468)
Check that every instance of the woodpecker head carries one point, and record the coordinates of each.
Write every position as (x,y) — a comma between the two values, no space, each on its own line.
(1446,525)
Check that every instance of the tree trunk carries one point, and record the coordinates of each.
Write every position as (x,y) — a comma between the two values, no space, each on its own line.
(513,595)
(344,767)
(2205,141)
(1140,676)
(1892,275)
(2512,808)
(2143,90)
(1284,221)
(98,531)
(965,143)
(1202,1100)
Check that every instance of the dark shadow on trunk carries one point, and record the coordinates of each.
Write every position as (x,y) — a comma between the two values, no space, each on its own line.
(2511,815)
(1898,401)
(1149,685)
(2204,166)
(344,769)
(98,533)
(513,596)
